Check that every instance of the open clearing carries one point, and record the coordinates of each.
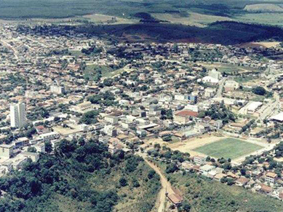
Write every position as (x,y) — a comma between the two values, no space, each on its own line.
(187,145)
(228,148)
(107,19)
(228,68)
(193,19)
(275,19)
(263,8)
(267,44)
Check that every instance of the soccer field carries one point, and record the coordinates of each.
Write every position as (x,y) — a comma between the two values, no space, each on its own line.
(228,148)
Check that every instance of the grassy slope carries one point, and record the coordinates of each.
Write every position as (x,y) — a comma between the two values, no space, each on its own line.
(226,33)
(205,195)
(210,196)
(130,198)
(133,199)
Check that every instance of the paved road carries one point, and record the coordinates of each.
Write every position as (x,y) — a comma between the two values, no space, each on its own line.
(220,87)
(6,44)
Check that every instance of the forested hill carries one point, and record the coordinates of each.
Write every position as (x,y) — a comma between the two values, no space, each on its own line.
(224,32)
(81,176)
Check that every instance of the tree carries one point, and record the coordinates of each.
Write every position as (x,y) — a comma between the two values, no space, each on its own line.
(157,146)
(186,207)
(89,117)
(168,154)
(243,171)
(151,174)
(230,181)
(123,182)
(48,147)
(31,149)
(259,91)
(171,168)
(167,138)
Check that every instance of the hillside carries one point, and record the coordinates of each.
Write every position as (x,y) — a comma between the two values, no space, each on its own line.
(263,8)
(81,177)
(226,32)
(206,195)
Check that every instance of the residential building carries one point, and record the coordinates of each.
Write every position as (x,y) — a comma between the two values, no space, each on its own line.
(18,115)
(6,150)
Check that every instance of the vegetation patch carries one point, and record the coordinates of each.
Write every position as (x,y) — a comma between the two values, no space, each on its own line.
(81,176)
(226,32)
(206,195)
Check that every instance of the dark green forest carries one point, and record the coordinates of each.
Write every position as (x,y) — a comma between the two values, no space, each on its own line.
(80,176)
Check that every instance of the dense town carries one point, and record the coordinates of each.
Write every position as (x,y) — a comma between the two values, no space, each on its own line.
(159,100)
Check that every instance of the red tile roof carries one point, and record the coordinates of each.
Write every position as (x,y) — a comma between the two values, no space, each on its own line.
(185,113)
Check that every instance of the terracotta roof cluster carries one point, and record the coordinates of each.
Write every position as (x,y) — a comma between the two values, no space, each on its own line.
(187,113)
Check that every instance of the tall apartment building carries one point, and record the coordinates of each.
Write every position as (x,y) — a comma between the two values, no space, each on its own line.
(18,115)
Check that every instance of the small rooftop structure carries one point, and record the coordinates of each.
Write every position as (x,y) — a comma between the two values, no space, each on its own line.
(278,117)
(175,198)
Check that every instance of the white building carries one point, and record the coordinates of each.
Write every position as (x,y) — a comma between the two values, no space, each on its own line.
(6,150)
(57,89)
(18,115)
(112,119)
(110,130)
(199,160)
(49,136)
(215,74)
(181,97)
(210,80)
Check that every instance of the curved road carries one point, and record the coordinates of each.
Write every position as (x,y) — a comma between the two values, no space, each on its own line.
(166,187)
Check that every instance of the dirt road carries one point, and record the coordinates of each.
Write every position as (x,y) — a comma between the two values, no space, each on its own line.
(166,187)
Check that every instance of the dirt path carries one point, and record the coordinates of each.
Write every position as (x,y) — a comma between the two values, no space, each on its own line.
(166,186)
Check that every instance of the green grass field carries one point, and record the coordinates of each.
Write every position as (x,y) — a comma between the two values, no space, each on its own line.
(228,148)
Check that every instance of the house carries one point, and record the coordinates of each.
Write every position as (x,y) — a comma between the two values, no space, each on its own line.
(41,129)
(231,175)
(174,198)
(265,189)
(185,116)
(270,177)
(210,80)
(187,165)
(32,155)
(277,117)
(193,98)
(219,176)
(111,119)
(114,147)
(110,130)
(215,74)
(83,107)
(49,136)
(209,92)
(242,181)
(216,123)
(204,170)
(17,162)
(6,150)
(231,85)
(199,160)
(181,97)
(40,147)
(250,108)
